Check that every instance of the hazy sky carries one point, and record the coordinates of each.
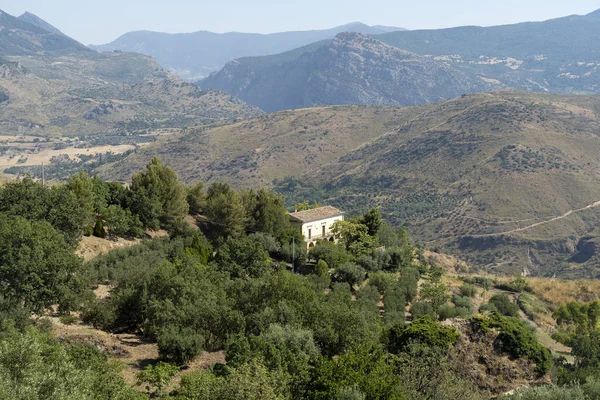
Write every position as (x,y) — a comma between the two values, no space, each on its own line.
(98,22)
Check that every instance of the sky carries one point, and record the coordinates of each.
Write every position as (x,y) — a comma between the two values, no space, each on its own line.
(99,22)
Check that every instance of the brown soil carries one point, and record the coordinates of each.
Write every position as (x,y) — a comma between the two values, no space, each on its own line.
(91,247)
(129,349)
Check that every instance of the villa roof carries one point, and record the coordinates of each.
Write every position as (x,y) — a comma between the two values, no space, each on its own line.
(315,214)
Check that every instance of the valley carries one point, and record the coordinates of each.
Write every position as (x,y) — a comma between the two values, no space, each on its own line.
(445,184)
(508,179)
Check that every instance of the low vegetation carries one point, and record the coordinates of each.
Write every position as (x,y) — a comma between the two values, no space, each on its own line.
(338,327)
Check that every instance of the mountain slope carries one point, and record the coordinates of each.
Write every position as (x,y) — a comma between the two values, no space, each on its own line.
(19,38)
(51,85)
(35,20)
(352,69)
(195,55)
(556,56)
(112,94)
(506,179)
(260,150)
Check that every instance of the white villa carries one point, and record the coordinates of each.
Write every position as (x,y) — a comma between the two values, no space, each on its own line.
(316,223)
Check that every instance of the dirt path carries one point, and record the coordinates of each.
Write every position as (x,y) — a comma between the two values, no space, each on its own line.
(565,215)
(134,352)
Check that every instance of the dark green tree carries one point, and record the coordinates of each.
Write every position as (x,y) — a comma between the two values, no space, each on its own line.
(159,189)
(372,220)
(37,267)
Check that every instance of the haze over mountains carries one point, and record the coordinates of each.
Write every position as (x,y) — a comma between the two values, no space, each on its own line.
(195,55)
(556,56)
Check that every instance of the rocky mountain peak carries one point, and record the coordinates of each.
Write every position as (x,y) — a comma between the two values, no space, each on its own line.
(367,46)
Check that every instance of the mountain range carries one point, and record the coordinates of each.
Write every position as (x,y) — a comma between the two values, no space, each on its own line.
(25,36)
(556,56)
(507,179)
(51,85)
(352,69)
(195,55)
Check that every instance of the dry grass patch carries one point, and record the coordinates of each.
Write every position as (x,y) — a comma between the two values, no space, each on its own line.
(559,292)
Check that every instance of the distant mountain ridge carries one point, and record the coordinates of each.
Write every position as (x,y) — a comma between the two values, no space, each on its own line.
(556,56)
(30,35)
(195,55)
(352,69)
(51,85)
(35,20)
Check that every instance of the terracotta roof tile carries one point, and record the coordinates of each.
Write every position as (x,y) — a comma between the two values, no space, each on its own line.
(316,214)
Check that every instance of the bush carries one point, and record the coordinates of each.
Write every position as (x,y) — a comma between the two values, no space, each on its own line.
(504,305)
(350,273)
(99,230)
(68,319)
(334,255)
(179,345)
(368,263)
(489,307)
(269,242)
(395,305)
(447,311)
(420,309)
(468,290)
(321,269)
(464,303)
(381,280)
(409,281)
(423,331)
(100,314)
(516,339)
(548,393)
(350,393)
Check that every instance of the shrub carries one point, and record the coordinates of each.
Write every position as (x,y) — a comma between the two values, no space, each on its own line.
(424,331)
(68,319)
(447,311)
(409,281)
(99,229)
(468,290)
(269,242)
(157,376)
(368,263)
(350,393)
(381,280)
(350,273)
(464,303)
(101,314)
(334,255)
(548,393)
(179,345)
(516,339)
(504,305)
(395,305)
(321,269)
(420,309)
(487,307)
